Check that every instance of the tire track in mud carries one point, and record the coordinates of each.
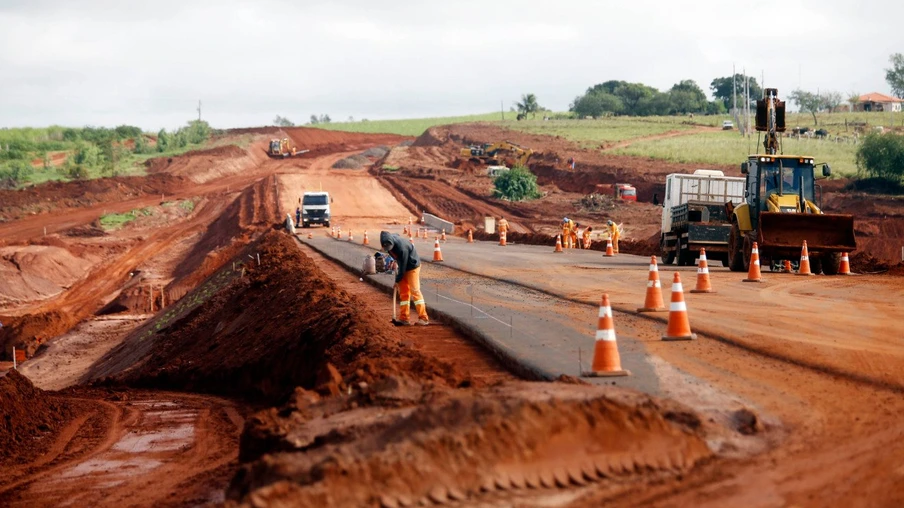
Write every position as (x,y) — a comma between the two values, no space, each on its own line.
(177,444)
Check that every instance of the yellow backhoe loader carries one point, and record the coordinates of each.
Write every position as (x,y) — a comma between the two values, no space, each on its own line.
(280,148)
(503,152)
(780,210)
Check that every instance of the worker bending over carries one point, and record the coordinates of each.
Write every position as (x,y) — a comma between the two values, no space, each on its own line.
(408,277)
(569,233)
(586,239)
(614,233)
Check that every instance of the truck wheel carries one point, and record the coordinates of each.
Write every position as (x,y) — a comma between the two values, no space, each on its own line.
(735,249)
(668,257)
(831,263)
(326,224)
(726,260)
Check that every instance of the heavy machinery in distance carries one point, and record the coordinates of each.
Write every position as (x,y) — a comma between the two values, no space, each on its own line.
(694,215)
(620,191)
(781,209)
(493,154)
(280,148)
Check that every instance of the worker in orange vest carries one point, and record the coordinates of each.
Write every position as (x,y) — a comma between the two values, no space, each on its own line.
(586,239)
(502,225)
(614,233)
(569,232)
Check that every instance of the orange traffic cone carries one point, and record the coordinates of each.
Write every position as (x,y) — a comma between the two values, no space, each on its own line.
(365,242)
(470,236)
(424,233)
(350,238)
(606,360)
(753,274)
(787,266)
(339,233)
(609,252)
(409,235)
(679,328)
(804,261)
(502,238)
(442,236)
(437,254)
(703,284)
(845,268)
(333,231)
(653,301)
(558,244)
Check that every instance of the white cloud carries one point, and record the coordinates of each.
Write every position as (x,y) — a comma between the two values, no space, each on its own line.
(107,62)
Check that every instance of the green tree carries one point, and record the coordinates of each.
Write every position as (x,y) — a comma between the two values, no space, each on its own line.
(516,185)
(722,90)
(314,120)
(633,95)
(163,141)
(882,156)
(853,99)
(196,132)
(141,144)
(831,100)
(808,102)
(716,107)
(281,121)
(528,105)
(596,104)
(895,75)
(686,97)
(325,118)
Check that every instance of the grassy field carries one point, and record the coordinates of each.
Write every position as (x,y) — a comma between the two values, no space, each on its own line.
(729,148)
(593,133)
(409,127)
(118,220)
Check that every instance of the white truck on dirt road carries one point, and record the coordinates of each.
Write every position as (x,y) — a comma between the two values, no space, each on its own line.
(315,208)
(694,215)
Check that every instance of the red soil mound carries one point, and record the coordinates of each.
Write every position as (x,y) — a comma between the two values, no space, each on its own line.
(204,165)
(466,446)
(29,419)
(34,272)
(284,324)
(30,331)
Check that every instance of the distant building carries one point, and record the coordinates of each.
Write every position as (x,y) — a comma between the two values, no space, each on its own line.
(878,102)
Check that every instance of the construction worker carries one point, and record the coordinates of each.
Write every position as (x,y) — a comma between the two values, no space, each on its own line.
(297,216)
(569,232)
(408,277)
(614,233)
(586,239)
(502,225)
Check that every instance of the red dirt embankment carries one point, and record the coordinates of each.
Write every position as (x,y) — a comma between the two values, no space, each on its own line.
(30,419)
(284,324)
(82,193)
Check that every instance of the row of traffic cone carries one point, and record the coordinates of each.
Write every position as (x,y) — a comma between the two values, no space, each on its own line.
(606,359)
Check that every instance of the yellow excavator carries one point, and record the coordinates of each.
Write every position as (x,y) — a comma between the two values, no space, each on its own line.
(780,209)
(280,148)
(502,152)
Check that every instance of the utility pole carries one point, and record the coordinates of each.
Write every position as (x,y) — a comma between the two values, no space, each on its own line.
(734,97)
(199,110)
(747,102)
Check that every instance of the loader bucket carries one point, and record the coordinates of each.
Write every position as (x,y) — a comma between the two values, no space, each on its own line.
(823,232)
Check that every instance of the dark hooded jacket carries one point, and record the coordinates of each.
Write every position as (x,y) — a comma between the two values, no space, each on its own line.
(402,250)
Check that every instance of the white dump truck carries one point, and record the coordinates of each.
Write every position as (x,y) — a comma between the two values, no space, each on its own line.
(694,215)
(315,208)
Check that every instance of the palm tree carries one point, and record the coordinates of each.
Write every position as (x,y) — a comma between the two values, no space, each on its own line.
(528,105)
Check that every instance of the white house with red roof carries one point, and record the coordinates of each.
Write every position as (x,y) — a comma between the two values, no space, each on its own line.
(878,102)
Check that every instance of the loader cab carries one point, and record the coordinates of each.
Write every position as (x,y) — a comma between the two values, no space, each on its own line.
(274,146)
(784,175)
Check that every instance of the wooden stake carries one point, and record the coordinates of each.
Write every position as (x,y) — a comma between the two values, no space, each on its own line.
(258,259)
(15,367)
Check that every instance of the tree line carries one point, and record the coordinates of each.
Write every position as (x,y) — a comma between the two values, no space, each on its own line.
(97,150)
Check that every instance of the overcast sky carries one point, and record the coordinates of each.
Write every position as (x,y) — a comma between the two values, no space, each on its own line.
(100,62)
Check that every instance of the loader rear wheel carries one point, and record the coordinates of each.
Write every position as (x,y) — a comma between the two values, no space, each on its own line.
(685,256)
(736,249)
(831,263)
